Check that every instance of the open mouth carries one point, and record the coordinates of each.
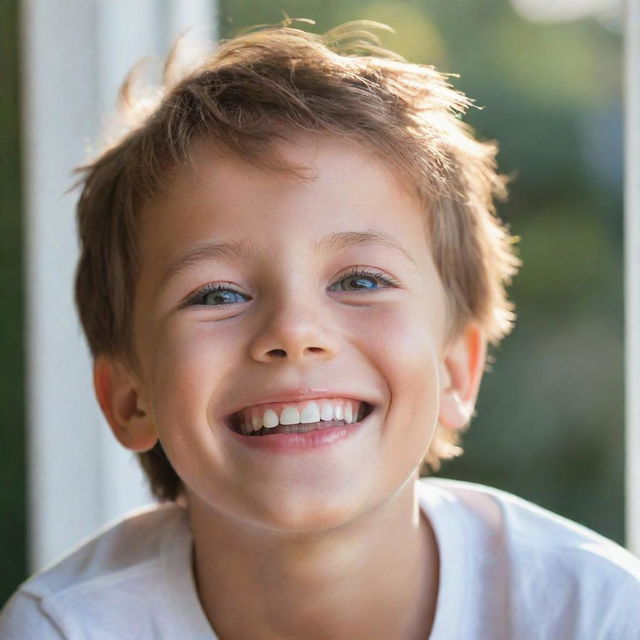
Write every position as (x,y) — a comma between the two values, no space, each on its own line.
(299,417)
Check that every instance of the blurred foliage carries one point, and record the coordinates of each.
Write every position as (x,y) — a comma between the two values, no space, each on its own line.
(12,451)
(550,417)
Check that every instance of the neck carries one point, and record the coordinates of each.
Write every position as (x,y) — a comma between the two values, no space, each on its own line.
(375,577)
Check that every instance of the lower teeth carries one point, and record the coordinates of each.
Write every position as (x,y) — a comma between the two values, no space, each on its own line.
(298,428)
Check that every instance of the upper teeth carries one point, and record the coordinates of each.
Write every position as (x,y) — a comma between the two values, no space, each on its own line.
(255,418)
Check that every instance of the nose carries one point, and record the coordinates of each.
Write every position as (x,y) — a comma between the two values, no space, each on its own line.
(294,332)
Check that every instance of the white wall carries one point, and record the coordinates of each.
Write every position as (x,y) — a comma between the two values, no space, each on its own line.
(75,54)
(632,271)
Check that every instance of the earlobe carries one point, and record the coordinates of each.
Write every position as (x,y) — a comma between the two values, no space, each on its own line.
(118,394)
(462,368)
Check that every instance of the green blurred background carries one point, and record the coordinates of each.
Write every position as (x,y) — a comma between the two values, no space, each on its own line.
(550,423)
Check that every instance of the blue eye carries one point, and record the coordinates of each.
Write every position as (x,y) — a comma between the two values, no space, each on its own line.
(215,295)
(365,280)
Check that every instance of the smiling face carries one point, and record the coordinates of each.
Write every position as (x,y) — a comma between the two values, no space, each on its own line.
(258,290)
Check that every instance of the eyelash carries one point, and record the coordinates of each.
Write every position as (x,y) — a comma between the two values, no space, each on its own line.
(352,273)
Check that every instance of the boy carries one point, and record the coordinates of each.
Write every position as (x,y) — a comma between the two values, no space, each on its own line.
(290,271)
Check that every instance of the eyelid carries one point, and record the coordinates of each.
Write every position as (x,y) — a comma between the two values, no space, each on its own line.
(191,298)
(371,272)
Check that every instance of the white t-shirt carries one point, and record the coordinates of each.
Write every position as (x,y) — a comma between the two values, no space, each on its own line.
(508,570)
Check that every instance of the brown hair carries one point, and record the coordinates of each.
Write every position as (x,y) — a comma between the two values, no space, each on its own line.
(263,85)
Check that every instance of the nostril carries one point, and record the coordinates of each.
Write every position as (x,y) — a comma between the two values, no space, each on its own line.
(280,353)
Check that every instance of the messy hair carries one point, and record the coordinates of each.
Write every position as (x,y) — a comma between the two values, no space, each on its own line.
(269,83)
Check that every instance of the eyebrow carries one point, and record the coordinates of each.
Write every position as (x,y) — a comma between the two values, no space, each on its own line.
(371,237)
(237,251)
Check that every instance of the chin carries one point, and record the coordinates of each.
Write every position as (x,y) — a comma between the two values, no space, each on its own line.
(299,514)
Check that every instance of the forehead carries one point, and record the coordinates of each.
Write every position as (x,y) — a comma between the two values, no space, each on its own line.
(337,187)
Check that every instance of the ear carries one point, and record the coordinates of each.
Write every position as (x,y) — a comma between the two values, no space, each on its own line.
(119,397)
(462,368)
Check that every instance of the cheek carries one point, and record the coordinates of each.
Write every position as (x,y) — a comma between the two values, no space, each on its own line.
(399,343)
(403,343)
(190,370)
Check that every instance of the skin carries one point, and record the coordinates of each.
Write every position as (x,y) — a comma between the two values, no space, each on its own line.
(317,544)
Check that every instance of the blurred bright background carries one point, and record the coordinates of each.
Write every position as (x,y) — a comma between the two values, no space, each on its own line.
(547,78)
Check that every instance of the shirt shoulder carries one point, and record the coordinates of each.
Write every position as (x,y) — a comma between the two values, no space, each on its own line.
(554,573)
(534,527)
(86,586)
(23,619)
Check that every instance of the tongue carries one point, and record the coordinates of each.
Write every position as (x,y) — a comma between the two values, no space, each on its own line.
(299,428)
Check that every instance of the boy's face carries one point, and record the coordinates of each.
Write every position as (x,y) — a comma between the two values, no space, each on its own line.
(291,321)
